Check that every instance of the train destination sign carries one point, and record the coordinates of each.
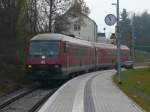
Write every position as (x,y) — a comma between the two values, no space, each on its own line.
(110,19)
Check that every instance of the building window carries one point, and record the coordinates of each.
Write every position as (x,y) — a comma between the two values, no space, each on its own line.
(77,27)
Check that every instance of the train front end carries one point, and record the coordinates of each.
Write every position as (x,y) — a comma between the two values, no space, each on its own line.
(43,60)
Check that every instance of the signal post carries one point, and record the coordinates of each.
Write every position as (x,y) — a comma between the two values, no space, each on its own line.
(111,21)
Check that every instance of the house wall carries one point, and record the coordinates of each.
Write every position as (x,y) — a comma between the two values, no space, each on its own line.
(88,29)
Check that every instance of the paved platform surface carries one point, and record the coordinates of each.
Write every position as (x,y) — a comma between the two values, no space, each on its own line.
(93,92)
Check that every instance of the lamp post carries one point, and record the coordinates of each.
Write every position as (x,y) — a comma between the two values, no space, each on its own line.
(118,43)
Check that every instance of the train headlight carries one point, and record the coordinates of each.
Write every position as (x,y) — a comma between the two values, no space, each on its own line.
(29,66)
(43,57)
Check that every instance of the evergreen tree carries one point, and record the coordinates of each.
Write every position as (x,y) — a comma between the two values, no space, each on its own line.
(125,28)
(141,31)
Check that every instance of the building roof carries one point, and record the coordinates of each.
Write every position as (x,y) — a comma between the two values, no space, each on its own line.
(101,35)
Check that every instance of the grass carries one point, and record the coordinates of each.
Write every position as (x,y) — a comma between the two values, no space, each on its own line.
(136,84)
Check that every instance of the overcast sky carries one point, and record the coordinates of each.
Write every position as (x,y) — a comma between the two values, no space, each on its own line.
(100,8)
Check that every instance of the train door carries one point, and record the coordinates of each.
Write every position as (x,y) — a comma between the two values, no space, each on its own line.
(66,51)
(101,55)
(96,57)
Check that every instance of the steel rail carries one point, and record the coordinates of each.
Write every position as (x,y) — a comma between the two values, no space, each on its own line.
(42,101)
(8,102)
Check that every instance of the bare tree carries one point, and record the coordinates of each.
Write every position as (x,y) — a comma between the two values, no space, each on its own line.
(43,14)
(10,11)
(8,16)
(50,9)
(76,11)
(32,14)
(84,8)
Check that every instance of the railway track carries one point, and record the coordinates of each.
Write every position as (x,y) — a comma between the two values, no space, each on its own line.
(6,100)
(40,102)
(28,101)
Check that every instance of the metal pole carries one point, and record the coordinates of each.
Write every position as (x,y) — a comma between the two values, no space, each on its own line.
(118,46)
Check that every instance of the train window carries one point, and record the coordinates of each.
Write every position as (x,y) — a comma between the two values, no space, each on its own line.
(44,48)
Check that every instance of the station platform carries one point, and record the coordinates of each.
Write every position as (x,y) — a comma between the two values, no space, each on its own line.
(93,92)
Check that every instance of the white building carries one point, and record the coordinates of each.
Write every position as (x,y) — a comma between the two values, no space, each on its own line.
(101,38)
(85,29)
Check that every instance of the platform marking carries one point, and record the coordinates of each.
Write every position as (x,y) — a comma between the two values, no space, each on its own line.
(81,95)
(88,100)
(78,105)
(78,102)
(88,97)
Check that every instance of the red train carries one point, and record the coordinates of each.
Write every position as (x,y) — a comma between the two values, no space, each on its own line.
(57,56)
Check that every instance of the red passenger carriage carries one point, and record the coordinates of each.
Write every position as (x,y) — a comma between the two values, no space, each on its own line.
(57,56)
(105,55)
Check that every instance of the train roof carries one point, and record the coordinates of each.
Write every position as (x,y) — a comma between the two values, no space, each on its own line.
(123,47)
(110,46)
(104,45)
(56,36)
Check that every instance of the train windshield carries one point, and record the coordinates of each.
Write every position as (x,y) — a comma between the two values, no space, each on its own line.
(44,48)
